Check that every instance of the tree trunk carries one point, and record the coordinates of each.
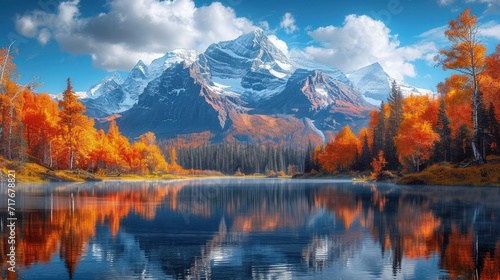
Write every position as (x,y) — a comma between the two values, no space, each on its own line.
(10,131)
(50,153)
(71,157)
(478,157)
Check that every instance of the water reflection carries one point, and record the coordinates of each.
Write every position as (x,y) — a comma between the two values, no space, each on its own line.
(254,229)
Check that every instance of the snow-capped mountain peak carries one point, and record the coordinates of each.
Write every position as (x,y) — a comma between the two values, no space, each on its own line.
(108,83)
(140,71)
(375,84)
(335,73)
(159,65)
(250,66)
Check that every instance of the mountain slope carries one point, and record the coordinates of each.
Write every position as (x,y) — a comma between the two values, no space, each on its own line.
(177,102)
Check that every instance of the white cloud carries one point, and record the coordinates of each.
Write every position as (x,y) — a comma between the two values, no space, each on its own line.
(280,44)
(493,6)
(362,41)
(288,23)
(490,30)
(264,25)
(445,2)
(44,36)
(133,29)
(436,33)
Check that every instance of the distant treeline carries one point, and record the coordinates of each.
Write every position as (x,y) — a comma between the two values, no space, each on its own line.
(244,158)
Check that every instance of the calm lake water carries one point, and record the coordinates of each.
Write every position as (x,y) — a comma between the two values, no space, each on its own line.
(253,229)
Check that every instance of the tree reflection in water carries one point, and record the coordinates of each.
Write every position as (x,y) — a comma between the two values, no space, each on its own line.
(204,229)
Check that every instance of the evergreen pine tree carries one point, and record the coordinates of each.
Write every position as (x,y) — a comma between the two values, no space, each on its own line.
(493,130)
(379,131)
(396,116)
(366,155)
(443,148)
(461,144)
(308,161)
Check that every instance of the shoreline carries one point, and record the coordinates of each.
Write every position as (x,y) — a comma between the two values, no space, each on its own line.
(443,174)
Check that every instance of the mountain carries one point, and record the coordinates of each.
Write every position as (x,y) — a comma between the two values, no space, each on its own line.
(245,89)
(114,94)
(177,102)
(375,84)
(251,66)
(335,73)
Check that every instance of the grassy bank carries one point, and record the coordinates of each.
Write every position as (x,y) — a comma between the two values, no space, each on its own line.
(476,175)
(439,174)
(35,173)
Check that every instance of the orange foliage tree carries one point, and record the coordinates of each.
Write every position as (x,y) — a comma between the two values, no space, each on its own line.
(102,154)
(467,56)
(40,121)
(341,154)
(416,136)
(378,165)
(174,167)
(61,136)
(147,155)
(490,81)
(120,160)
(76,130)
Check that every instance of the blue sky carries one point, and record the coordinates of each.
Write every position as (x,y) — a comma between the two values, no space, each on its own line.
(86,39)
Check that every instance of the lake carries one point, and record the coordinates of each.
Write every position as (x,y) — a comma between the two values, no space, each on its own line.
(252,229)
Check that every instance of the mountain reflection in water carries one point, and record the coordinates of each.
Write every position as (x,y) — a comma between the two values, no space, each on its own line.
(253,229)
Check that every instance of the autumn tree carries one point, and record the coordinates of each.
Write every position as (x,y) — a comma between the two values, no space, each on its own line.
(121,158)
(74,127)
(102,154)
(341,154)
(378,165)
(147,155)
(467,56)
(40,119)
(491,81)
(416,137)
(174,167)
